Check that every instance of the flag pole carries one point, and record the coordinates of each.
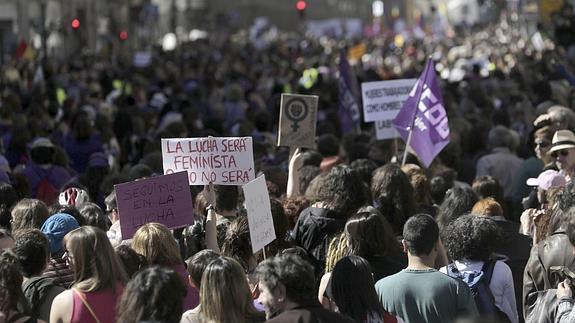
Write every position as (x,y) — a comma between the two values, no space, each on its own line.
(407,145)
(408,142)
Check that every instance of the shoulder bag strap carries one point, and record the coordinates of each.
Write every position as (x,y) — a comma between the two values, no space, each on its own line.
(488,268)
(87,305)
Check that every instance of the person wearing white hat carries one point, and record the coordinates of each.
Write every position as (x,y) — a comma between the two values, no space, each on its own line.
(563,150)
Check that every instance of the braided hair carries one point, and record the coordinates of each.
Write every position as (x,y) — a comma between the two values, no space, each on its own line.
(337,249)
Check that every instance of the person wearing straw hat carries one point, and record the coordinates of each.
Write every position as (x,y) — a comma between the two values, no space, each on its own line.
(563,151)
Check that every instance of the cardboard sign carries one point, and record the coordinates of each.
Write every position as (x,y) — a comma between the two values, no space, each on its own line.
(297,120)
(383,100)
(220,160)
(385,130)
(164,199)
(260,220)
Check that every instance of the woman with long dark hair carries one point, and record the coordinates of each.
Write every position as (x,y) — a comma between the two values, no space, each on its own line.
(154,294)
(353,292)
(393,195)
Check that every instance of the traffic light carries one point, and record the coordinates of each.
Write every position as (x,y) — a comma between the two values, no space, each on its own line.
(75,23)
(300,6)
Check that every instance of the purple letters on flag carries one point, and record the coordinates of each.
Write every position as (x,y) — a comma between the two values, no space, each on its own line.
(424,114)
(348,94)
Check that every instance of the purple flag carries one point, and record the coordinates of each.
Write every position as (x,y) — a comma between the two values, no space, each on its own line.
(423,113)
(348,94)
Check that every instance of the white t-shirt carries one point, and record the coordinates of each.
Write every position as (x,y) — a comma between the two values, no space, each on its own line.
(501,285)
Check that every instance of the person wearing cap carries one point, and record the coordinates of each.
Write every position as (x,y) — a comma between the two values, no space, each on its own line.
(563,151)
(55,228)
(44,178)
(546,180)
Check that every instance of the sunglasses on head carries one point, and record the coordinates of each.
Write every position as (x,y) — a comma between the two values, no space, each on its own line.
(560,152)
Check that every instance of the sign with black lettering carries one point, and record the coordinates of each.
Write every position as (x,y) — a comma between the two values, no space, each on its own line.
(297,120)
(382,100)
(385,130)
(163,199)
(218,160)
(258,207)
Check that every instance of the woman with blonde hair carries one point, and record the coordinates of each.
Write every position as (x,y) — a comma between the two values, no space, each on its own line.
(98,279)
(29,214)
(155,242)
(225,294)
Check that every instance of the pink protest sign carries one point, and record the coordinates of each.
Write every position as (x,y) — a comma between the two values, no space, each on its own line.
(218,160)
(164,199)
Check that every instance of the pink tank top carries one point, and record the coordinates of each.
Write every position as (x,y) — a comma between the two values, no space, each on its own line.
(103,304)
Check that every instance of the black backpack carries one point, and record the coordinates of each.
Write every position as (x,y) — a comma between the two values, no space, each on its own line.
(478,282)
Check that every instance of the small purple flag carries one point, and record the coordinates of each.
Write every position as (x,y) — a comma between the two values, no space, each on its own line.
(423,113)
(348,97)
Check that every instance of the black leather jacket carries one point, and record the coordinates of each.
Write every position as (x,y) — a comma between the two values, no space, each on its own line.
(556,250)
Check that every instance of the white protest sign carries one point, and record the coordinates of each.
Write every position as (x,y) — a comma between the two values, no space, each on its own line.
(382,100)
(219,160)
(260,220)
(297,120)
(384,129)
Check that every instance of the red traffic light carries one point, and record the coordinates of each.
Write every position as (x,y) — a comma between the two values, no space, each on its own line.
(301,5)
(76,23)
(123,35)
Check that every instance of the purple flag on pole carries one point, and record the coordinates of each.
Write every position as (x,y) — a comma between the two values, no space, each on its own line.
(348,97)
(423,114)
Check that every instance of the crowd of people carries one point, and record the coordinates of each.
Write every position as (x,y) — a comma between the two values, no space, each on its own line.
(485,234)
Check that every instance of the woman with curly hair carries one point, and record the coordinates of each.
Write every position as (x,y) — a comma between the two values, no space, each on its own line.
(342,192)
(470,241)
(393,195)
(13,304)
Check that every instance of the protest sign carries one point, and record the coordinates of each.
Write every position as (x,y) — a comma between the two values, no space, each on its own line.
(297,120)
(260,220)
(384,129)
(219,160)
(382,100)
(164,199)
